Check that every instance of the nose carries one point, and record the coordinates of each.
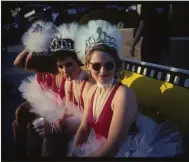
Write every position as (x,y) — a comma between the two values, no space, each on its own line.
(65,70)
(102,70)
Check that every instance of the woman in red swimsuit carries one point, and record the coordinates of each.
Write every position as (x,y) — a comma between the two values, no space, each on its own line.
(111,107)
(34,89)
(76,80)
(75,84)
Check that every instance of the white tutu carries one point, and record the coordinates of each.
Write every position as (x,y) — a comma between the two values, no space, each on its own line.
(152,140)
(91,145)
(47,103)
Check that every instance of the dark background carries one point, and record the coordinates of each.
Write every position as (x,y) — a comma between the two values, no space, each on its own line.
(14,25)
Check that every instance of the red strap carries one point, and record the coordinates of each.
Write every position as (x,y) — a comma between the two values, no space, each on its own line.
(91,102)
(81,98)
(49,80)
(109,100)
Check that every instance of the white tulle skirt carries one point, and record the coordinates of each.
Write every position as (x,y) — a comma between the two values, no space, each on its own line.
(47,103)
(152,140)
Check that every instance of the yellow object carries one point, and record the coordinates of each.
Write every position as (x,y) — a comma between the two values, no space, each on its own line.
(159,99)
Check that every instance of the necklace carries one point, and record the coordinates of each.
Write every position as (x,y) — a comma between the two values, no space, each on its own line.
(100,98)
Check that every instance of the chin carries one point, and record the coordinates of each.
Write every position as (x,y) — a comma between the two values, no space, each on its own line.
(105,80)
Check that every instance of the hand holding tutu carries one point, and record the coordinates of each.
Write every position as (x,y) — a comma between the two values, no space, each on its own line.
(56,127)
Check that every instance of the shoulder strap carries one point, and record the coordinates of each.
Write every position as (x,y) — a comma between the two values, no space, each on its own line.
(81,93)
(112,94)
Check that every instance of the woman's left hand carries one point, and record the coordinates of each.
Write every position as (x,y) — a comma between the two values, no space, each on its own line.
(56,126)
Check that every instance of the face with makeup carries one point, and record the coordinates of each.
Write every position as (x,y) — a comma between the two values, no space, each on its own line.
(68,65)
(102,67)
(102,62)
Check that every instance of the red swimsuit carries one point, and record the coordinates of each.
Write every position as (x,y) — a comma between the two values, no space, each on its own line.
(61,90)
(49,80)
(102,125)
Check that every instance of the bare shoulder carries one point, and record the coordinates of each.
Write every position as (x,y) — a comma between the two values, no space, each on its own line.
(67,82)
(88,85)
(67,85)
(88,90)
(125,96)
(93,87)
(91,90)
(124,91)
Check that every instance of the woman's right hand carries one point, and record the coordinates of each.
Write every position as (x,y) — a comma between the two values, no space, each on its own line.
(44,130)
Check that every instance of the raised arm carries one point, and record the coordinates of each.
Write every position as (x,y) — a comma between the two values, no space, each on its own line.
(21,59)
(124,112)
(67,87)
(138,33)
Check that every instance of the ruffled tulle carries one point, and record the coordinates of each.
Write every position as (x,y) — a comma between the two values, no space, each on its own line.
(91,145)
(152,140)
(47,103)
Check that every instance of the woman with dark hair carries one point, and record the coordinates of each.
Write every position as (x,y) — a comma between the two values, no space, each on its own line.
(111,113)
(23,114)
(64,116)
(34,58)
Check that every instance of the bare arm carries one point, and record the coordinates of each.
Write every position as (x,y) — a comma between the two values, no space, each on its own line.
(86,91)
(72,128)
(67,86)
(138,33)
(20,59)
(124,112)
(84,128)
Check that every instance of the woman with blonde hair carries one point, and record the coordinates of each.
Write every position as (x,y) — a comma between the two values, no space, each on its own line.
(111,124)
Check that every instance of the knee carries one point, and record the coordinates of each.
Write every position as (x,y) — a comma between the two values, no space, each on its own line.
(23,114)
(21,109)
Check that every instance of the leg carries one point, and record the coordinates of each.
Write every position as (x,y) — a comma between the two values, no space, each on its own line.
(34,143)
(23,117)
(55,145)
